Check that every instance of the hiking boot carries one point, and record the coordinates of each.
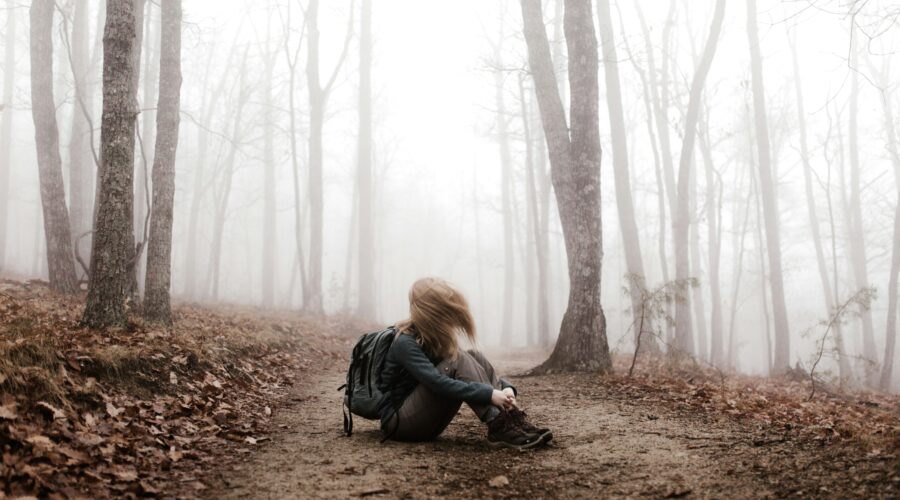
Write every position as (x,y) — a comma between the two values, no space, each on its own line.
(520,418)
(505,431)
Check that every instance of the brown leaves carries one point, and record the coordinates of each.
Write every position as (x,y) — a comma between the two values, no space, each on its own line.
(87,413)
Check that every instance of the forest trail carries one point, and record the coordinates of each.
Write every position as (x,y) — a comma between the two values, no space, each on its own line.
(606,444)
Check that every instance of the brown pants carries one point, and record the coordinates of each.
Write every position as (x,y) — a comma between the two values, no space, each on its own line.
(424,414)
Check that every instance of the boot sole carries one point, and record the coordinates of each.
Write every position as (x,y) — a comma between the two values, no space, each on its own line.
(542,439)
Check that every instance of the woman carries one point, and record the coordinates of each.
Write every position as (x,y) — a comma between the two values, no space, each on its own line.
(426,377)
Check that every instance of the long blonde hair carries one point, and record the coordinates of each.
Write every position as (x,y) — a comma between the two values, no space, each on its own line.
(437,314)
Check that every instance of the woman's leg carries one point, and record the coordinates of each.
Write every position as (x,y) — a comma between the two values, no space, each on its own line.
(424,415)
(472,366)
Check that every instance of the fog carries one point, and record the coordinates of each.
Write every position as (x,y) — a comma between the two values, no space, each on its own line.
(442,202)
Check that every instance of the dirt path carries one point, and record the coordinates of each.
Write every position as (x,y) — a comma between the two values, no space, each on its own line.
(606,444)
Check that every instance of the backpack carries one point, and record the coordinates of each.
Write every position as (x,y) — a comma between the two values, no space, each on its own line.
(361,394)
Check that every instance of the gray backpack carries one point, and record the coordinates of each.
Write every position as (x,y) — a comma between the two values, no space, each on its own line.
(361,394)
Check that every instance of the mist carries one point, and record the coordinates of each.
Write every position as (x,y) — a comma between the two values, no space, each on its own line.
(458,181)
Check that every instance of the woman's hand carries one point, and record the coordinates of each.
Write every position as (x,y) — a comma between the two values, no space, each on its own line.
(512,395)
(502,399)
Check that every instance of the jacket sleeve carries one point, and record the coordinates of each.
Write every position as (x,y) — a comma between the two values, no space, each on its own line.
(504,384)
(414,360)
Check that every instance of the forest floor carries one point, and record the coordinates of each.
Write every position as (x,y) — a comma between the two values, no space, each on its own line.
(239,402)
(611,439)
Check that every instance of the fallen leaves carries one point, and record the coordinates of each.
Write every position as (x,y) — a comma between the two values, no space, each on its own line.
(137,411)
(499,481)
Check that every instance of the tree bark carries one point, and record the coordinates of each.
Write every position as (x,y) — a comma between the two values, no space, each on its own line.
(683,329)
(57,232)
(781,361)
(6,122)
(112,254)
(366,295)
(157,305)
(575,169)
(627,222)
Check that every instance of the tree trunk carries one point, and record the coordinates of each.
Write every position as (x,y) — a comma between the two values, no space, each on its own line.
(660,114)
(270,213)
(532,224)
(575,171)
(822,267)
(312,300)
(739,238)
(81,166)
(697,271)
(782,359)
(6,122)
(714,248)
(627,222)
(210,106)
(856,235)
(683,329)
(890,336)
(509,267)
(57,232)
(112,253)
(221,203)
(542,236)
(159,251)
(142,194)
(366,295)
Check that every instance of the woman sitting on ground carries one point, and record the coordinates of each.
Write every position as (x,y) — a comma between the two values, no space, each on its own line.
(426,377)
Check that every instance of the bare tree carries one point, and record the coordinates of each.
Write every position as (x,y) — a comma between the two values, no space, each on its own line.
(57,232)
(506,188)
(221,199)
(156,305)
(210,105)
(81,165)
(856,234)
(146,154)
(112,256)
(270,214)
(683,331)
(366,305)
(575,168)
(627,222)
(6,122)
(812,211)
(291,56)
(770,200)
(890,342)
(318,98)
